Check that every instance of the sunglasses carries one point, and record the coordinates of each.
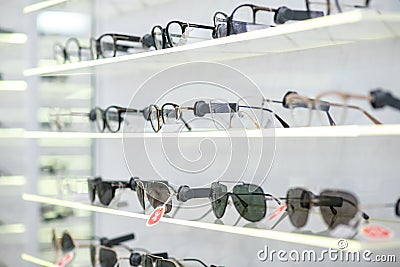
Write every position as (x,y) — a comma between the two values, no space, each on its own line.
(249,200)
(105,189)
(158,193)
(336,207)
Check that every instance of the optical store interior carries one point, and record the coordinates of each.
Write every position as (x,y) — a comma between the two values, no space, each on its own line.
(176,133)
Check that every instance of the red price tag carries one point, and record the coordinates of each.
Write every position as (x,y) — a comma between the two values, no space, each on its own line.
(65,260)
(155,216)
(277,212)
(376,232)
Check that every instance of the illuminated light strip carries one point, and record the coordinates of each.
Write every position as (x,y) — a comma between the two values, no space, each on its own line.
(17,228)
(36,261)
(318,241)
(13,38)
(316,23)
(12,180)
(42,5)
(13,85)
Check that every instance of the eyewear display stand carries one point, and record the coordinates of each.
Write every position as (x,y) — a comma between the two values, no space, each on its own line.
(353,51)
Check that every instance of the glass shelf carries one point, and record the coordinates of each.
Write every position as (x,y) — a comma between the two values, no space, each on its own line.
(333,30)
(323,131)
(304,239)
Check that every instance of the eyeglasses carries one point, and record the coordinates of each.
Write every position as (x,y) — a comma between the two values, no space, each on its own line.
(248,17)
(340,5)
(168,112)
(332,103)
(249,199)
(176,33)
(60,118)
(105,189)
(111,44)
(72,52)
(337,207)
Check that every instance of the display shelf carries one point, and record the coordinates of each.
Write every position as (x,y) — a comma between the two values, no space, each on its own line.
(13,38)
(16,228)
(304,239)
(13,85)
(35,260)
(12,180)
(331,30)
(323,131)
(42,5)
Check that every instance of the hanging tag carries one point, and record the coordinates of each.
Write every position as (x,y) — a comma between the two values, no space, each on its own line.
(376,232)
(155,216)
(65,260)
(277,212)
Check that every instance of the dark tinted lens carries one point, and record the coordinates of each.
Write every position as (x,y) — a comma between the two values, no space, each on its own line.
(93,255)
(91,190)
(105,193)
(334,215)
(249,201)
(107,257)
(140,193)
(147,261)
(219,199)
(67,244)
(165,263)
(298,205)
(397,208)
(158,194)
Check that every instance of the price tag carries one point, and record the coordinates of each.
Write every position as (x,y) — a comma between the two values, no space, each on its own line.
(277,212)
(376,232)
(155,216)
(65,260)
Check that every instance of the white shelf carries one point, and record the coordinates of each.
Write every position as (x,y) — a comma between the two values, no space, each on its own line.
(35,260)
(304,239)
(42,5)
(13,85)
(13,38)
(8,229)
(331,30)
(303,132)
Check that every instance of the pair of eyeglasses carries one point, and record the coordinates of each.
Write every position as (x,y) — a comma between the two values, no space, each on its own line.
(176,33)
(249,199)
(60,118)
(159,116)
(112,44)
(332,103)
(339,5)
(248,17)
(73,51)
(105,189)
(336,207)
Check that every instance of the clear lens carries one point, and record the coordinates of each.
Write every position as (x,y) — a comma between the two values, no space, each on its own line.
(254,113)
(154,118)
(298,204)
(113,119)
(107,46)
(221,25)
(245,20)
(93,48)
(333,107)
(100,120)
(334,215)
(72,48)
(320,5)
(157,34)
(219,199)
(300,108)
(174,31)
(249,201)
(170,114)
(221,114)
(59,54)
(158,194)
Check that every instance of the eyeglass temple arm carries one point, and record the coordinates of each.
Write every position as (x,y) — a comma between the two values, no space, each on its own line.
(196,260)
(382,98)
(372,118)
(282,122)
(116,241)
(363,214)
(284,14)
(185,123)
(186,193)
(193,25)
